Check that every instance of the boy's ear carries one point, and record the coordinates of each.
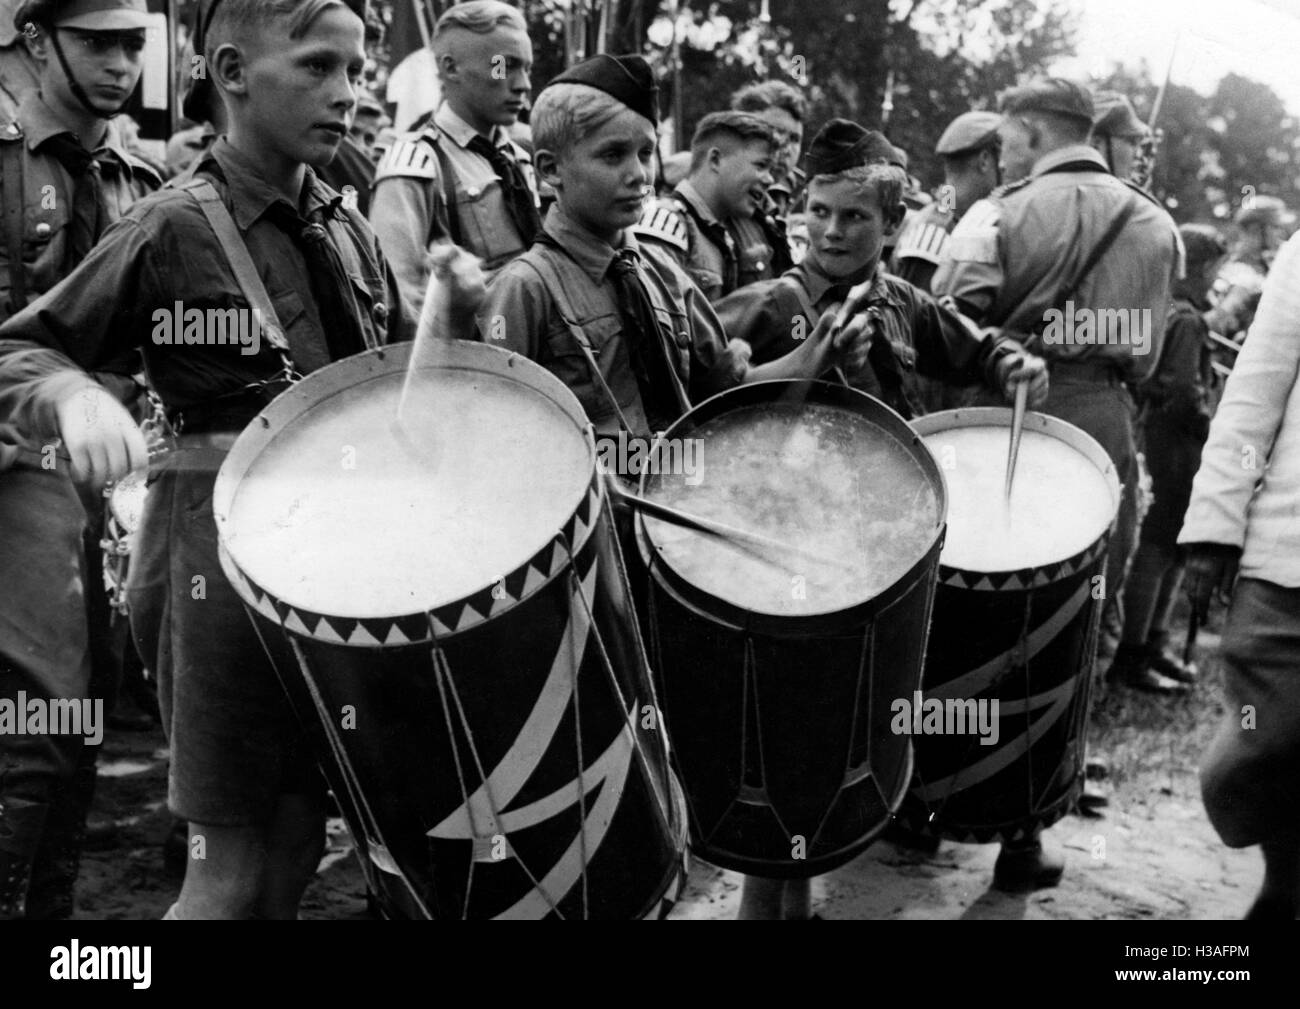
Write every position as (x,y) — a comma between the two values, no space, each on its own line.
(894,218)
(227,69)
(714,158)
(547,167)
(446,65)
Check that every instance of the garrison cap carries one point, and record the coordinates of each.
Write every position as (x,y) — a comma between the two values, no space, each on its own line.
(1053,95)
(970,131)
(88,15)
(627,78)
(841,144)
(1114,116)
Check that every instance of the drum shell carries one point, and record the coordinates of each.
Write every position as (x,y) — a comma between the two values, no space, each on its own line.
(490,688)
(1026,639)
(780,725)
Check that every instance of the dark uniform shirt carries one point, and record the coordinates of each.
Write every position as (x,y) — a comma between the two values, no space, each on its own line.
(915,335)
(720,256)
(164,253)
(1009,258)
(409,208)
(1183,383)
(522,314)
(48,196)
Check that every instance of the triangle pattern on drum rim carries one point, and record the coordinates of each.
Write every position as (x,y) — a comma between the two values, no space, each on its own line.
(377,628)
(362,636)
(342,626)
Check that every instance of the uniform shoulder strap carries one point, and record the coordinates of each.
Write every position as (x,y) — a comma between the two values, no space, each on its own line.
(236,252)
(11,178)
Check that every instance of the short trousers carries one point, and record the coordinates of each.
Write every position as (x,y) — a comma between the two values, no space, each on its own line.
(236,745)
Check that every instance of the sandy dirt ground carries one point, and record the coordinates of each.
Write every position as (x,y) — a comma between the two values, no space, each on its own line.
(1152,855)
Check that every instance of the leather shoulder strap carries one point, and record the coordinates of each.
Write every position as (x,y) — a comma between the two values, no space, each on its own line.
(241,263)
(448,180)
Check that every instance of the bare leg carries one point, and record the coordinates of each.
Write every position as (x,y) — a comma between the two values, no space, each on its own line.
(798,899)
(295,844)
(761,899)
(223,872)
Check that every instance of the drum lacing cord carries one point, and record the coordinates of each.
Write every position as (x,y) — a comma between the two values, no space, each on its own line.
(351,782)
(662,802)
(444,681)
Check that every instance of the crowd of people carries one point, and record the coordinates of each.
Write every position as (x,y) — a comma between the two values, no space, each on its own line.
(643,283)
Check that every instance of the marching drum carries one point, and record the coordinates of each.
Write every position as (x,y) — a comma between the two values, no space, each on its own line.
(121,524)
(1015,625)
(777,671)
(468,662)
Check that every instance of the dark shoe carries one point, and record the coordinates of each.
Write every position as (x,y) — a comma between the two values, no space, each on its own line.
(1169,665)
(1132,668)
(21,826)
(1024,867)
(1092,800)
(911,840)
(1096,769)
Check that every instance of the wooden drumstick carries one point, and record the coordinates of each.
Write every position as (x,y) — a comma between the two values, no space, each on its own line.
(1017,427)
(715,528)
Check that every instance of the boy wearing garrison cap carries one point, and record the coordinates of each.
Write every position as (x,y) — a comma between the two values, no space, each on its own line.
(619,321)
(65,176)
(854,202)
(256,228)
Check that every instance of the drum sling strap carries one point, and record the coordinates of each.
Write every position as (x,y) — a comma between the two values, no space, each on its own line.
(553,282)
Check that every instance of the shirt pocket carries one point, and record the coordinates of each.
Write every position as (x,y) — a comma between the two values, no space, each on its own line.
(485,223)
(567,361)
(45,243)
(679,326)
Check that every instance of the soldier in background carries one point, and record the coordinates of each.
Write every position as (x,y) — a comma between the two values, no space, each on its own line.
(784,109)
(709,223)
(970,151)
(66,177)
(1109,246)
(1118,135)
(461,178)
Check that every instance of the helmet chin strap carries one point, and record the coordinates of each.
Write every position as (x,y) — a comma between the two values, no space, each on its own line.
(77,91)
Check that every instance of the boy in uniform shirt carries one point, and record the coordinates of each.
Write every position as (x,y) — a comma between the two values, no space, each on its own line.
(710,221)
(619,321)
(854,202)
(287,73)
(460,177)
(65,177)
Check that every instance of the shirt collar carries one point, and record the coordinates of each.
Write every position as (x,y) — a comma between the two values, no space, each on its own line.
(462,132)
(593,254)
(691,195)
(40,123)
(251,197)
(817,284)
(1064,155)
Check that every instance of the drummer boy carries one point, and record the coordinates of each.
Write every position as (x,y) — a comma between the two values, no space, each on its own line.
(855,202)
(618,321)
(287,74)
